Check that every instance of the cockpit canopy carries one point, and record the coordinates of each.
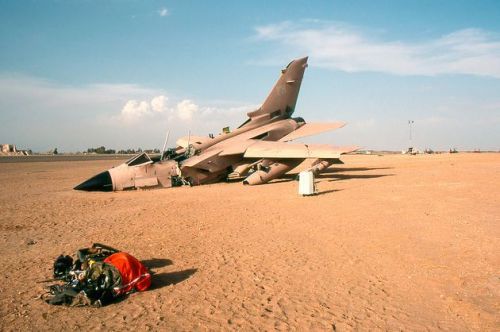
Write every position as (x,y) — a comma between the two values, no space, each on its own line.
(140,159)
(299,120)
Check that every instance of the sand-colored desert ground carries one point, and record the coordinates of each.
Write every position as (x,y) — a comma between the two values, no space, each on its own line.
(391,242)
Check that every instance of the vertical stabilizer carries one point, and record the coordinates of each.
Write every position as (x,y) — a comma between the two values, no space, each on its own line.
(280,103)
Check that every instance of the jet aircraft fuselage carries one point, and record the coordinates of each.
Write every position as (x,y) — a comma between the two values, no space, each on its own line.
(257,151)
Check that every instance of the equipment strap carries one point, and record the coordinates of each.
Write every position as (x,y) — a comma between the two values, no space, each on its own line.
(133,282)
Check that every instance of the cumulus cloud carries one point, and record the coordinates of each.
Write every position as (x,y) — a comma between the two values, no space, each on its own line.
(159,104)
(163,12)
(186,109)
(134,110)
(40,114)
(341,47)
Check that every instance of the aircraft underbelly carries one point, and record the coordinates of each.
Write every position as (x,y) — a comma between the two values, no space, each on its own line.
(210,170)
(216,163)
(146,182)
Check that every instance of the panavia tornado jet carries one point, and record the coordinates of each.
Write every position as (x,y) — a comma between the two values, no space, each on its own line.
(258,151)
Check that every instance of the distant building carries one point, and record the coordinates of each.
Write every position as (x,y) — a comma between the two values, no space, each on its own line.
(11,150)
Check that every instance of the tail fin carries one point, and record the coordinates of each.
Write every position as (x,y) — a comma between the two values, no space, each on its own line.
(280,103)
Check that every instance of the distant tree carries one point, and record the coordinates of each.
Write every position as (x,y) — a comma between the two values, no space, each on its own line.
(133,151)
(101,150)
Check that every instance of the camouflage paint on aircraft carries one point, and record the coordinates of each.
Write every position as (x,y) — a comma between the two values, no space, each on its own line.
(257,152)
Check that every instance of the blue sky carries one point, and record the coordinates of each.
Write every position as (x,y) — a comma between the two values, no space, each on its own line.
(77,74)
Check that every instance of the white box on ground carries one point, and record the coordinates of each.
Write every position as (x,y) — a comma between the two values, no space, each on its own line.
(306,183)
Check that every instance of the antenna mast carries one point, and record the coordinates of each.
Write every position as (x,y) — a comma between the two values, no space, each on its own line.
(165,145)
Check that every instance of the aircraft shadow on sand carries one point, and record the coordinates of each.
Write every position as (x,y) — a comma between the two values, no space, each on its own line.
(323,192)
(338,174)
(334,174)
(354,169)
(338,177)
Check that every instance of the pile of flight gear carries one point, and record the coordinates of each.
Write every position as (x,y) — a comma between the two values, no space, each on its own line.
(98,276)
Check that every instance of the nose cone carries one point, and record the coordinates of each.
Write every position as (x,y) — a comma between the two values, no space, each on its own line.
(100,182)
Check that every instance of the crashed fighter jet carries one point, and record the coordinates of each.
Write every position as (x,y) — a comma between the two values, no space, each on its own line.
(257,152)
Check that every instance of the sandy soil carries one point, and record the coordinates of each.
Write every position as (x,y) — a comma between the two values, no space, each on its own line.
(392,242)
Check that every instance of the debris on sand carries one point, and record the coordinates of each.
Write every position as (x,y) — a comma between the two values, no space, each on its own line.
(99,275)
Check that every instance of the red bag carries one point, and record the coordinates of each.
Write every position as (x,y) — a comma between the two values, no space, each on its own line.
(134,274)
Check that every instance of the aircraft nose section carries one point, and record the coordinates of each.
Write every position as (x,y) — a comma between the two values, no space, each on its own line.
(100,182)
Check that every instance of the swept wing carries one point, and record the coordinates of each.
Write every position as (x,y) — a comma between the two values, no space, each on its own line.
(282,150)
(310,128)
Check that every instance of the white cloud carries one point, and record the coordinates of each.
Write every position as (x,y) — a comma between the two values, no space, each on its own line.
(46,93)
(134,109)
(159,104)
(42,114)
(341,47)
(186,109)
(163,12)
